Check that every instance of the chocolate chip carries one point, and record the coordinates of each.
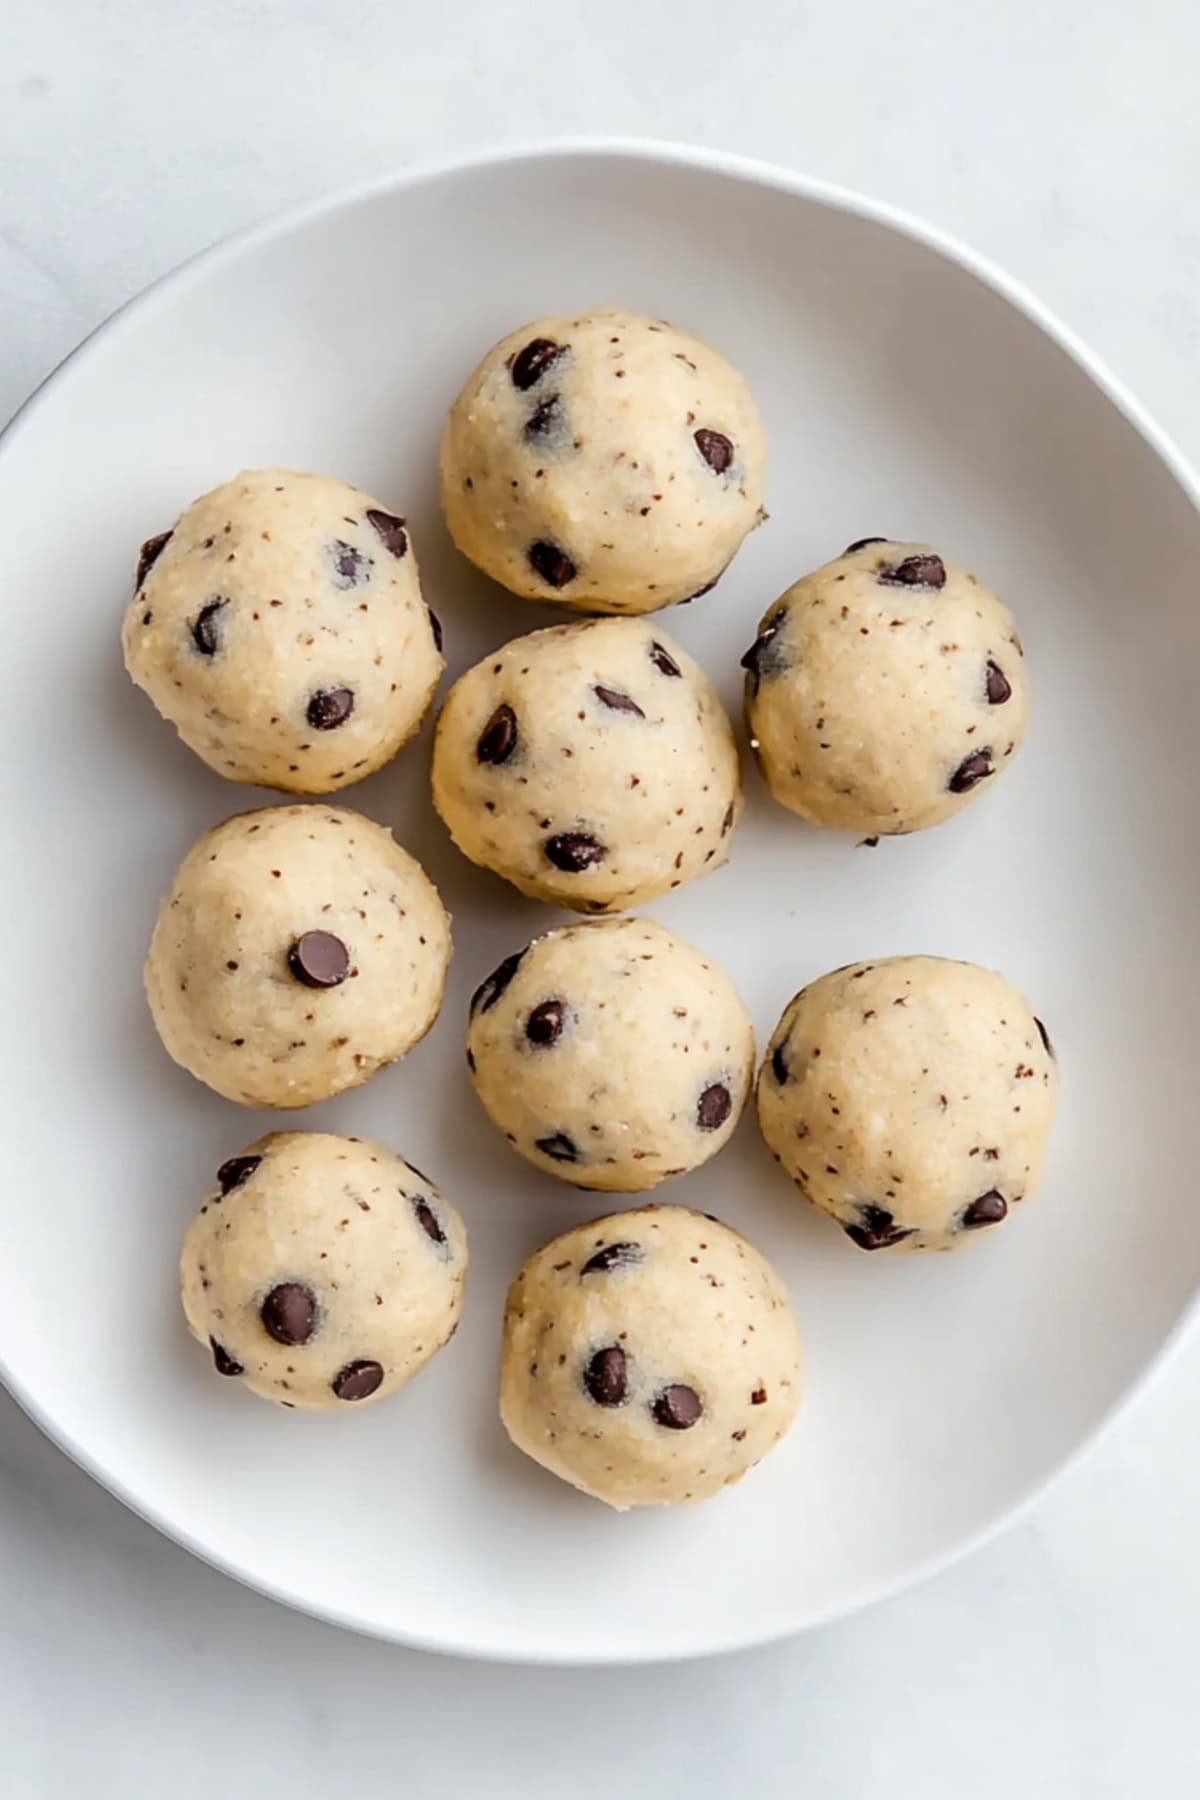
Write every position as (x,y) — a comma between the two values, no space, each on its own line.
(605,1378)
(716,1104)
(574,851)
(1045,1037)
(224,1362)
(861,544)
(677,1407)
(998,688)
(971,770)
(779,1068)
(617,701)
(765,657)
(914,571)
(553,565)
(329,707)
(876,1230)
(435,625)
(493,985)
(319,959)
(357,1380)
(558,1147)
(498,739)
(390,528)
(989,1209)
(663,661)
(613,1256)
(428,1220)
(350,567)
(231,1174)
(715,448)
(727,821)
(759,1397)
(204,626)
(149,554)
(289,1313)
(531,363)
(545,1023)
(544,419)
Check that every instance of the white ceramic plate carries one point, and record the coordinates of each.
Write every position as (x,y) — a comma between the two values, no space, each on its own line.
(907,390)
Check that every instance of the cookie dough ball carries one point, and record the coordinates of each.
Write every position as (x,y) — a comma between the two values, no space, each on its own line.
(611,1054)
(299,950)
(322,1270)
(885,690)
(606,462)
(279,626)
(592,765)
(649,1358)
(911,1099)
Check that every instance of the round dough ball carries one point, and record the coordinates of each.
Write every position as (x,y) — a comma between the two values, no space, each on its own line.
(592,765)
(885,690)
(299,950)
(911,1099)
(649,1358)
(606,462)
(279,626)
(611,1054)
(322,1270)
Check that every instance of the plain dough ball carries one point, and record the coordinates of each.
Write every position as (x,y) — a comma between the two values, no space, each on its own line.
(299,950)
(911,1099)
(885,690)
(592,765)
(322,1270)
(604,461)
(649,1358)
(279,626)
(611,1054)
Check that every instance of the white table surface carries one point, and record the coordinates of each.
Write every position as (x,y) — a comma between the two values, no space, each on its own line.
(1064,140)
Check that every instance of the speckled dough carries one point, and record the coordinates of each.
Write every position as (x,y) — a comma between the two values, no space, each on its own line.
(279,626)
(298,951)
(911,1099)
(591,765)
(649,1358)
(885,690)
(604,461)
(611,1054)
(323,1271)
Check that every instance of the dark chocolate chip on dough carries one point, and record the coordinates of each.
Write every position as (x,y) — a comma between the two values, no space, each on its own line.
(715,448)
(616,701)
(779,1068)
(714,1106)
(493,985)
(498,739)
(329,707)
(319,959)
(545,1023)
(876,1228)
(764,657)
(574,851)
(237,1169)
(1047,1045)
(357,1380)
(545,419)
(224,1363)
(390,529)
(989,1209)
(558,1147)
(677,1407)
(999,688)
(551,564)
(289,1313)
(663,661)
(350,567)
(435,625)
(428,1220)
(861,544)
(531,363)
(205,631)
(605,1377)
(149,554)
(925,571)
(971,770)
(613,1256)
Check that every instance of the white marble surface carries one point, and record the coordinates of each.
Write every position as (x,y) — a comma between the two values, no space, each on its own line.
(1063,1662)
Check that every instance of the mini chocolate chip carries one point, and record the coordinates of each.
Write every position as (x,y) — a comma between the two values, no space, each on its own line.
(989,1209)
(531,363)
(877,1228)
(493,985)
(428,1220)
(435,625)
(914,571)
(779,1066)
(998,688)
(715,1106)
(617,701)
(319,959)
(1045,1037)
(613,1256)
(390,528)
(663,661)
(971,770)
(604,1377)
(149,554)
(544,419)
(498,739)
(231,1174)
(764,657)
(350,567)
(553,565)
(574,851)
(204,626)
(715,448)
(677,1407)
(289,1313)
(545,1023)
(861,544)
(224,1362)
(558,1147)
(759,1397)
(357,1380)
(329,707)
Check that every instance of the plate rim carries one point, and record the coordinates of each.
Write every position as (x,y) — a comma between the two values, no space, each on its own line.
(949,248)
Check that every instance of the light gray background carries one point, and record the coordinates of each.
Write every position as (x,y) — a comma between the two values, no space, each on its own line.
(1062,1663)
